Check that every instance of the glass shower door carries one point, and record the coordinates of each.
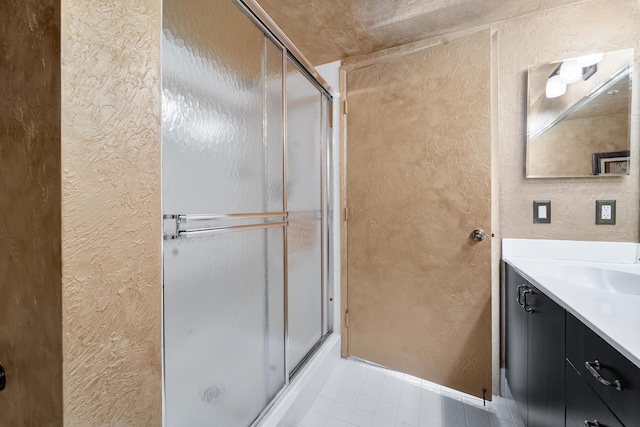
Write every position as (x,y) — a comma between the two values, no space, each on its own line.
(304,205)
(224,220)
(244,150)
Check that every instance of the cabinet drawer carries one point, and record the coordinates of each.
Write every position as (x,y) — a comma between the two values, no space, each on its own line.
(584,345)
(584,405)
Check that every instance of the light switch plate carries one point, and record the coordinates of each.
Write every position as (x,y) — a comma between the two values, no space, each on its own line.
(606,212)
(542,211)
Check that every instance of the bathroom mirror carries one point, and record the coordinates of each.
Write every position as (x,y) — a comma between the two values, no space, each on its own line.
(578,116)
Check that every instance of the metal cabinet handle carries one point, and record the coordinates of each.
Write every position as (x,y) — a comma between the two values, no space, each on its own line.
(524,305)
(519,293)
(593,423)
(594,367)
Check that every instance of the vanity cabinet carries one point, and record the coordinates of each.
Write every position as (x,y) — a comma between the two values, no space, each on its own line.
(614,380)
(535,360)
(584,407)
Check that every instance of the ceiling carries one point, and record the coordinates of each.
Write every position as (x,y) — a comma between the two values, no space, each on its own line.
(329,30)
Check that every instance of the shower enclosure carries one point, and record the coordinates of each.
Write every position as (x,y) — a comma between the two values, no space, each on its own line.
(244,161)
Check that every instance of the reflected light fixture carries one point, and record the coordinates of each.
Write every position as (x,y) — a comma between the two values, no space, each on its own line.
(570,71)
(588,60)
(555,87)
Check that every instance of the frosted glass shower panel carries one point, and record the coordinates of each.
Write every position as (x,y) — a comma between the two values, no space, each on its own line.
(224,349)
(273,127)
(221,111)
(304,148)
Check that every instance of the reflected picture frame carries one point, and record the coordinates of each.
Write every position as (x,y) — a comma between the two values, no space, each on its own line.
(614,163)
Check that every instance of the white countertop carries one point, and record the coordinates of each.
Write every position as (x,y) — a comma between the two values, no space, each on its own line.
(614,316)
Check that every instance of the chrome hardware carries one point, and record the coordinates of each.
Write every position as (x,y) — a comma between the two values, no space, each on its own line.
(519,294)
(478,235)
(183,219)
(3,378)
(525,306)
(593,423)
(182,233)
(594,367)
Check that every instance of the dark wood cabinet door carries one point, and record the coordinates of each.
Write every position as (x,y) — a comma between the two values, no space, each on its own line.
(546,362)
(516,340)
(584,345)
(583,405)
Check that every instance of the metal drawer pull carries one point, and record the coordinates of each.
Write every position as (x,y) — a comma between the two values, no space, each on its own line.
(519,293)
(593,423)
(525,306)
(594,367)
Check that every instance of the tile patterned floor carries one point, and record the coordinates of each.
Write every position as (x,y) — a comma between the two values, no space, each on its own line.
(362,395)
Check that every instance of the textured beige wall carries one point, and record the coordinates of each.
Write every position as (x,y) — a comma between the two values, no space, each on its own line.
(31,335)
(568,31)
(111,227)
(566,149)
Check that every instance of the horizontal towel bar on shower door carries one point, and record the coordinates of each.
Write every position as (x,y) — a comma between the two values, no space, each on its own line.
(189,218)
(183,234)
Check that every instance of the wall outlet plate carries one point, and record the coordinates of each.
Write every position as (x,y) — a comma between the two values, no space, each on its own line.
(606,212)
(542,211)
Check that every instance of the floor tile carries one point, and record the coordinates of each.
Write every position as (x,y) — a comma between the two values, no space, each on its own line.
(366,403)
(408,416)
(341,411)
(322,404)
(361,418)
(475,402)
(454,414)
(374,377)
(499,411)
(391,395)
(395,374)
(347,397)
(359,373)
(314,419)
(380,421)
(500,423)
(432,386)
(477,418)
(371,390)
(362,395)
(427,421)
(330,392)
(410,396)
(335,422)
(386,409)
(412,380)
(392,382)
(353,385)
